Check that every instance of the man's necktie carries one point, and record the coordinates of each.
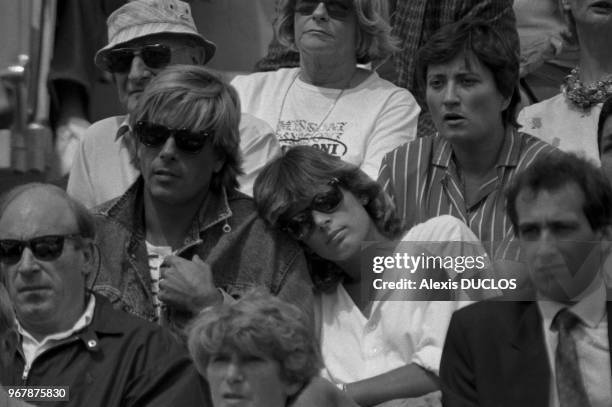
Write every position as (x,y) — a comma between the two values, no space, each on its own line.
(570,386)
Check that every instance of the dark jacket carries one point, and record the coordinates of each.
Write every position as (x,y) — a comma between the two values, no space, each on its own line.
(227,234)
(117,360)
(495,355)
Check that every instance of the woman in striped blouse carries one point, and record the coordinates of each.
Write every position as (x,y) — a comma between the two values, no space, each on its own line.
(469,72)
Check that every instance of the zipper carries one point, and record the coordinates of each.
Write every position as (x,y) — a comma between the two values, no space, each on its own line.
(28,367)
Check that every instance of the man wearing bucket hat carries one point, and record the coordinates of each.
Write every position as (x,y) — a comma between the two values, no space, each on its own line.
(145,36)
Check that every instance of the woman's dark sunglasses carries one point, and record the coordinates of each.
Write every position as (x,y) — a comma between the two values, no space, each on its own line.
(155,135)
(119,60)
(336,9)
(301,224)
(45,248)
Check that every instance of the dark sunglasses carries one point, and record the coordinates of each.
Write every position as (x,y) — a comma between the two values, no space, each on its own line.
(300,225)
(119,60)
(45,248)
(336,9)
(155,135)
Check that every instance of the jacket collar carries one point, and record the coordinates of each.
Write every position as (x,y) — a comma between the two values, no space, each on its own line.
(123,123)
(101,324)
(128,210)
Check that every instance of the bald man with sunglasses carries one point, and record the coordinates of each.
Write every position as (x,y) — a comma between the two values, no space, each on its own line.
(73,348)
(146,36)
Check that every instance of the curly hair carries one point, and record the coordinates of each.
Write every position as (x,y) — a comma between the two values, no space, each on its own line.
(190,96)
(375,41)
(258,324)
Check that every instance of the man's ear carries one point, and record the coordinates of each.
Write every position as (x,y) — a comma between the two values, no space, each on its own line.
(87,251)
(219,161)
(134,149)
(200,57)
(506,103)
(604,234)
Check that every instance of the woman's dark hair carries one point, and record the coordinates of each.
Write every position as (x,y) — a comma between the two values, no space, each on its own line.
(606,111)
(478,39)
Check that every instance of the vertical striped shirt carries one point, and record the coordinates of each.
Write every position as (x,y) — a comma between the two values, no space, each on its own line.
(156,256)
(422,179)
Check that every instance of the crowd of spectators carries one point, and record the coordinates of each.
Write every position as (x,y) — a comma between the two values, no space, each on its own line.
(219,242)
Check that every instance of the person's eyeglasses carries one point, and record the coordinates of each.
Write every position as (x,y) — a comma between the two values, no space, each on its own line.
(155,56)
(45,248)
(300,225)
(336,9)
(155,135)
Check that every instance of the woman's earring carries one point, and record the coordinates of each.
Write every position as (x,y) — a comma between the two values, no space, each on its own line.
(365,200)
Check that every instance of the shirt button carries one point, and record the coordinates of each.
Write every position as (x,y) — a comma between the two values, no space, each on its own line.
(370,326)
(375,350)
(92,343)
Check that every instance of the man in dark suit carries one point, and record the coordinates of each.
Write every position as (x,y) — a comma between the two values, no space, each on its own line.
(553,349)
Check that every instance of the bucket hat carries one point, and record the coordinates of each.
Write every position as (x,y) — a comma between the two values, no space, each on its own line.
(141,18)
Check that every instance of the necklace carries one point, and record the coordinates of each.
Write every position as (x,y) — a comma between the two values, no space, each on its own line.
(585,96)
(329,111)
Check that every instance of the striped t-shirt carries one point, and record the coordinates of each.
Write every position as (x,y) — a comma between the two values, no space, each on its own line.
(422,179)
(157,254)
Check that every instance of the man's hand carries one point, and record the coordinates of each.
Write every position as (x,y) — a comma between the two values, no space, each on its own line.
(187,285)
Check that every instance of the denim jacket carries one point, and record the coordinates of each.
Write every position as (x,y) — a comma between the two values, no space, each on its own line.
(242,251)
